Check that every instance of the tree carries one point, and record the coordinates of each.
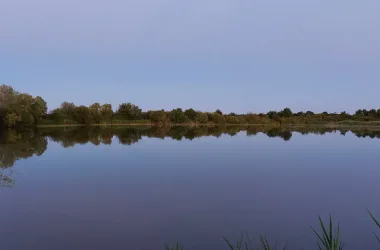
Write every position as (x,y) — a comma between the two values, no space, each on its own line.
(82,115)
(68,108)
(178,116)
(158,117)
(299,114)
(242,119)
(359,112)
(372,112)
(38,108)
(129,111)
(286,112)
(7,96)
(191,114)
(202,118)
(230,119)
(106,112)
(218,111)
(95,112)
(218,118)
(11,119)
(272,114)
(19,108)
(252,118)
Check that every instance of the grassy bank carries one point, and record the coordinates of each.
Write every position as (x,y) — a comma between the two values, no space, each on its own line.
(328,237)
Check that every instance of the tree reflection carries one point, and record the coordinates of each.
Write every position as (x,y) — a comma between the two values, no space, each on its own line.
(16,145)
(6,181)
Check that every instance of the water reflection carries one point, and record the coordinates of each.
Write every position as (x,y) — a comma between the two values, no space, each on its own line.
(16,145)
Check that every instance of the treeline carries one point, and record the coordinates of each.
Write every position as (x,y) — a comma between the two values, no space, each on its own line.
(20,109)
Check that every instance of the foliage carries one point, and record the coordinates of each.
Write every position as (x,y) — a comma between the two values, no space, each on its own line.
(245,243)
(218,118)
(218,111)
(176,246)
(376,222)
(95,113)
(21,109)
(106,112)
(327,239)
(130,111)
(178,116)
(242,119)
(191,114)
(232,119)
(158,117)
(202,118)
(286,112)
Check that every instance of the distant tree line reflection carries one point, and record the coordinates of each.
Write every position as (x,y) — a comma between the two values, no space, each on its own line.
(17,145)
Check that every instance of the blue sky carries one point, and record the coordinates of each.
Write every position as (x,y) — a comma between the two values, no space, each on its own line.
(241,56)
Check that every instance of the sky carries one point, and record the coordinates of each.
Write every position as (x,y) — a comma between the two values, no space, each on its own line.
(236,55)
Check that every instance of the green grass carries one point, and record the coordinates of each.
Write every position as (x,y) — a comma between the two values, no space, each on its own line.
(176,246)
(376,222)
(246,244)
(328,238)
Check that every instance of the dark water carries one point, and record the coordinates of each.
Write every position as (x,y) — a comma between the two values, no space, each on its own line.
(135,188)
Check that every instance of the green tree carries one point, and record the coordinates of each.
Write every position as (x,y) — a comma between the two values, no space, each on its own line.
(202,118)
(230,119)
(95,110)
(11,119)
(82,115)
(218,118)
(272,114)
(158,117)
(218,111)
(38,108)
(286,112)
(68,108)
(129,111)
(106,112)
(359,112)
(252,118)
(242,119)
(372,112)
(19,108)
(191,114)
(178,116)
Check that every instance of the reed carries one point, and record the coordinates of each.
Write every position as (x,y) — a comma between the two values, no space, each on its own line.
(328,238)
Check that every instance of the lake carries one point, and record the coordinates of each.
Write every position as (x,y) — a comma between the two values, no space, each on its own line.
(139,188)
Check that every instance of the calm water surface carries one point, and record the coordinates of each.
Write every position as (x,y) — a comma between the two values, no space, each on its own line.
(127,188)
